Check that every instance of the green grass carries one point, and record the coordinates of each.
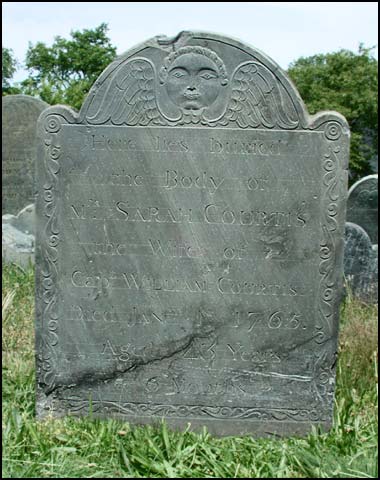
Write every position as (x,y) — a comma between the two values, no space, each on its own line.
(90,448)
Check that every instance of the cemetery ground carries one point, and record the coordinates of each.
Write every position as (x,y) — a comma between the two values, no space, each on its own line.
(91,448)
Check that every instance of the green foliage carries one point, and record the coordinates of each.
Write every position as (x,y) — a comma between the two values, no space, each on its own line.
(91,448)
(65,72)
(343,81)
(9,67)
(346,82)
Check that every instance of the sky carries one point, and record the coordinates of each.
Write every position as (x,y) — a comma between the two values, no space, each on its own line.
(284,31)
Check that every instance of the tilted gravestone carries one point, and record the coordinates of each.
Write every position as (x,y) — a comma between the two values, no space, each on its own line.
(18,236)
(19,114)
(189,251)
(360,264)
(362,205)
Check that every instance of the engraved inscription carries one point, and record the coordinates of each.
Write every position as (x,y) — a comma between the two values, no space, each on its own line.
(253,147)
(176,179)
(190,225)
(215,213)
(211,213)
(135,316)
(134,281)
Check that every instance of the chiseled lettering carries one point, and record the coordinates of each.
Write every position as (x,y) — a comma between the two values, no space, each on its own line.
(154,214)
(103,142)
(231,286)
(235,351)
(218,214)
(134,281)
(255,183)
(175,249)
(120,351)
(132,317)
(163,144)
(126,179)
(210,183)
(105,248)
(131,281)
(252,147)
(278,319)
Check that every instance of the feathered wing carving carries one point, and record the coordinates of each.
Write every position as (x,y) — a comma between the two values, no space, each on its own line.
(258,99)
(129,98)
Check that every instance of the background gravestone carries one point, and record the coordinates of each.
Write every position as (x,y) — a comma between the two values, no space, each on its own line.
(18,236)
(362,205)
(20,115)
(189,250)
(360,263)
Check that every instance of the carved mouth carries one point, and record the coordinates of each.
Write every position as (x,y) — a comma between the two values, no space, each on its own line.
(191,96)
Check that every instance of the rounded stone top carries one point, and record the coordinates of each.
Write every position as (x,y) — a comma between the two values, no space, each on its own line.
(362,205)
(23,99)
(21,109)
(200,78)
(357,248)
(374,178)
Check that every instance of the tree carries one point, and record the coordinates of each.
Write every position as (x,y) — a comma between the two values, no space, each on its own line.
(346,82)
(9,67)
(65,72)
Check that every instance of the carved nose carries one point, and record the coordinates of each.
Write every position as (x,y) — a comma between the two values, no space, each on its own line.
(191,88)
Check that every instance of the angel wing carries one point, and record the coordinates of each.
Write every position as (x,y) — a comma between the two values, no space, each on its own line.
(128,98)
(258,99)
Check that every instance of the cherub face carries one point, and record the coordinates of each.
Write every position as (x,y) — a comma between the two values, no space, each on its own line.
(193,81)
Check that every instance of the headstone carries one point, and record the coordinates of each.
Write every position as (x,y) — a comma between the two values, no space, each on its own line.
(360,264)
(374,162)
(362,205)
(189,250)
(372,295)
(20,115)
(369,142)
(17,246)
(25,220)
(18,236)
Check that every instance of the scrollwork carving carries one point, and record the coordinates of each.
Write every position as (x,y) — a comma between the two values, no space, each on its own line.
(322,386)
(328,244)
(50,243)
(53,123)
(78,405)
(333,130)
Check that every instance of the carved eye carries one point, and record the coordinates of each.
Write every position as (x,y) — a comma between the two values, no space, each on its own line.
(178,73)
(207,75)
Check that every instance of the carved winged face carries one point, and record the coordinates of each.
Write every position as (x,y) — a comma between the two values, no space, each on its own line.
(193,81)
(188,89)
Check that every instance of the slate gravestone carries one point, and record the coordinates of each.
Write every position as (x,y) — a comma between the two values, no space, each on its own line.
(360,263)
(362,205)
(18,236)
(374,162)
(374,272)
(20,115)
(189,251)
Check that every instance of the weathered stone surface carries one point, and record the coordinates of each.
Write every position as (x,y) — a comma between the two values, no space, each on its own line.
(18,236)
(362,205)
(19,114)
(374,162)
(189,254)
(360,263)
(373,290)
(25,220)
(17,246)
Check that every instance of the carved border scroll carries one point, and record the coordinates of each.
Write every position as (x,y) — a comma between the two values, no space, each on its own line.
(334,165)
